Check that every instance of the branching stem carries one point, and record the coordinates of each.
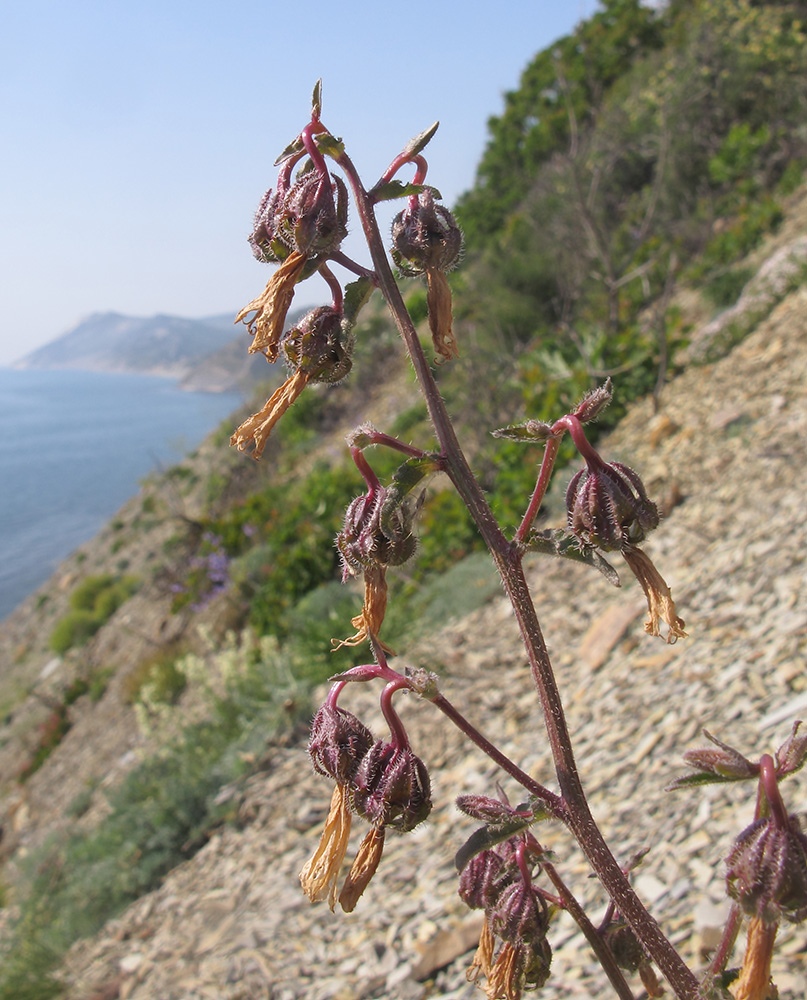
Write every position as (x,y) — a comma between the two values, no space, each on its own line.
(575,810)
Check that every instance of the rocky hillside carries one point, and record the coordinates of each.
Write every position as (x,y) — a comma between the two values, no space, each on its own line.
(725,456)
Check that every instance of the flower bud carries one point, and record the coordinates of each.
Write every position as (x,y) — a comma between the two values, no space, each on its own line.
(481,880)
(315,346)
(767,871)
(391,787)
(519,913)
(425,237)
(310,219)
(607,506)
(338,743)
(266,246)
(364,543)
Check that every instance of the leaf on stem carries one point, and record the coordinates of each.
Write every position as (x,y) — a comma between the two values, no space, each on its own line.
(398,189)
(420,141)
(329,145)
(357,295)
(557,542)
(316,99)
(530,430)
(294,148)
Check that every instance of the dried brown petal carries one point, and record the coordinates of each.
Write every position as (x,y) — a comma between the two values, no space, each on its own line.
(363,868)
(660,604)
(256,429)
(321,872)
(438,299)
(754,982)
(372,613)
(271,306)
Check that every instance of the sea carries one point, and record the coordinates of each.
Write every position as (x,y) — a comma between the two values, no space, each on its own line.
(74,447)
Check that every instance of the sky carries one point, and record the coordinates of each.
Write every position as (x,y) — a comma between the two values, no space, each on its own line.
(136,138)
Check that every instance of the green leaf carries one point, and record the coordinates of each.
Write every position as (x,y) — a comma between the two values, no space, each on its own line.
(530,430)
(398,189)
(414,146)
(294,148)
(486,837)
(557,542)
(701,778)
(316,100)
(357,295)
(329,145)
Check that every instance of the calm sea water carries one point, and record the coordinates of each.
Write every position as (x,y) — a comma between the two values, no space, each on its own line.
(73,447)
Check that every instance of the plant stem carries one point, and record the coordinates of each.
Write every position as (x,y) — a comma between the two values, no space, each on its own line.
(577,815)
(598,946)
(550,800)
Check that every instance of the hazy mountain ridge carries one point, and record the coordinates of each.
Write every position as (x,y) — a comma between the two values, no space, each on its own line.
(206,354)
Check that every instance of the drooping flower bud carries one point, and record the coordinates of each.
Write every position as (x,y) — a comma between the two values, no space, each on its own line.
(481,880)
(267,247)
(338,743)
(427,240)
(311,220)
(425,236)
(607,506)
(391,787)
(767,871)
(363,542)
(315,346)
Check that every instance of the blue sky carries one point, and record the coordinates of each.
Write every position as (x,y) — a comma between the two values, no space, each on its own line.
(136,138)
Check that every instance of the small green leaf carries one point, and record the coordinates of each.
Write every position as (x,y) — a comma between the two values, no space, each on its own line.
(530,430)
(701,778)
(316,100)
(414,146)
(329,145)
(357,295)
(486,837)
(294,148)
(557,542)
(397,189)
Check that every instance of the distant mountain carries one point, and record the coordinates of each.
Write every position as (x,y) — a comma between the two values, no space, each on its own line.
(207,355)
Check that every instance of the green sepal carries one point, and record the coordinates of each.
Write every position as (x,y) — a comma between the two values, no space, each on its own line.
(294,148)
(357,295)
(316,100)
(530,430)
(420,141)
(329,145)
(701,778)
(398,189)
(406,478)
(557,542)
(487,837)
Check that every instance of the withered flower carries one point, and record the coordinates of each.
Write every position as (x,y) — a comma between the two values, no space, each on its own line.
(660,603)
(371,617)
(271,307)
(320,874)
(754,981)
(315,350)
(427,240)
(363,868)
(608,508)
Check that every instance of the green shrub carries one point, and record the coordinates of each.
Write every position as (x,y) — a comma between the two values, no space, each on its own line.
(160,675)
(93,603)
(724,289)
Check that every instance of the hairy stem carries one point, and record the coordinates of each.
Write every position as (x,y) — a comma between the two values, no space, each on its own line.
(577,815)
